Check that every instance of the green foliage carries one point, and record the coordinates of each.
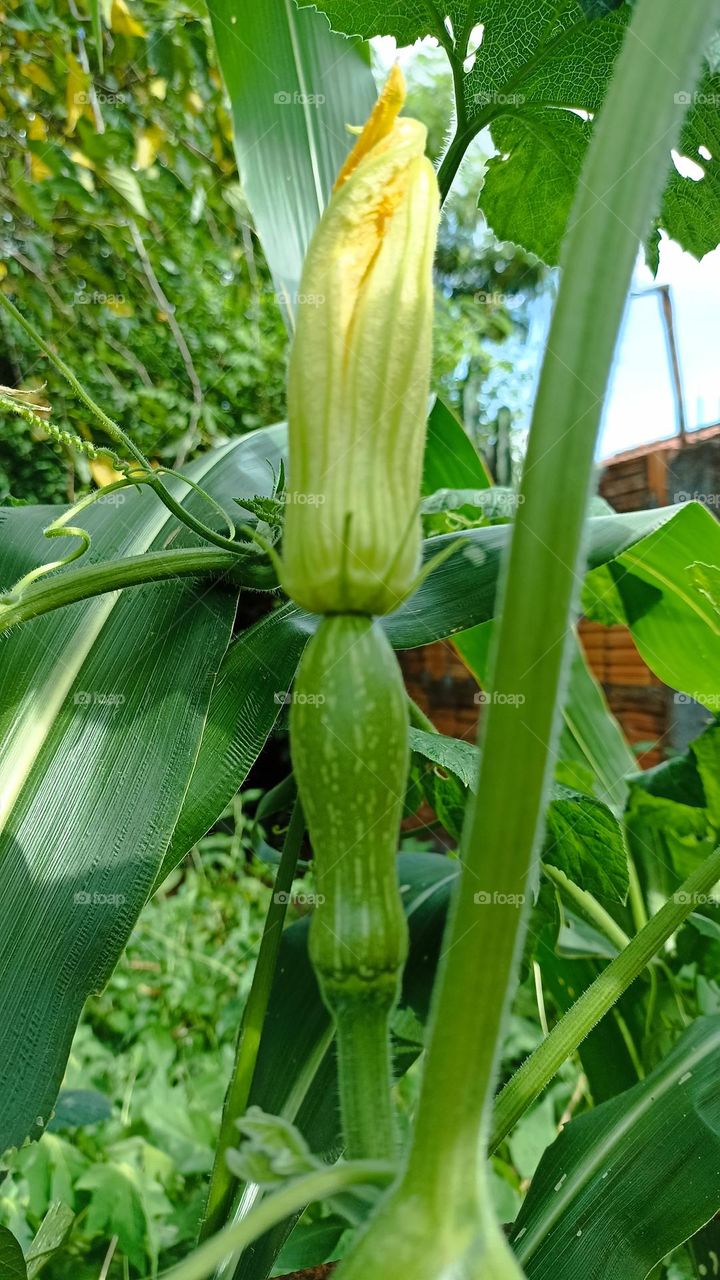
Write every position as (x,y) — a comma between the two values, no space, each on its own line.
(620,1175)
(157,1047)
(127,240)
(539,64)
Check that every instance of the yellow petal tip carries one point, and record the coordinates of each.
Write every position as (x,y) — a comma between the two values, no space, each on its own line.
(379,124)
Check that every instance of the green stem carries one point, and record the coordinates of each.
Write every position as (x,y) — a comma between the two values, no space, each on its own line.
(222,1182)
(365,1078)
(73,585)
(537,1071)
(637,901)
(589,906)
(295,1196)
(418,719)
(618,192)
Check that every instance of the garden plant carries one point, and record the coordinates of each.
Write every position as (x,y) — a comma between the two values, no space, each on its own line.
(375,1089)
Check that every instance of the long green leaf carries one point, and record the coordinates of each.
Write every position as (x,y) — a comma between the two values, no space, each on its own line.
(294,86)
(630,1181)
(102,708)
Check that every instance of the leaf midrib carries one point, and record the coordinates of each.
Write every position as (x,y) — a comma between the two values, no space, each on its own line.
(28,735)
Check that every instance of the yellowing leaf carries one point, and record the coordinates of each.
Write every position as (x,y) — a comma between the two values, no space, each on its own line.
(79,157)
(158,88)
(148,143)
(33,71)
(77,100)
(194,102)
(126,185)
(86,168)
(37,132)
(119,307)
(122,21)
(3,270)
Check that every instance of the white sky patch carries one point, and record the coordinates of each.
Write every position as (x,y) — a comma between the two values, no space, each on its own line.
(687,168)
(641,407)
(476,39)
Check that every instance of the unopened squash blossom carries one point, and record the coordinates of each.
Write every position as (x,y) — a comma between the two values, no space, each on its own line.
(357,396)
(359,375)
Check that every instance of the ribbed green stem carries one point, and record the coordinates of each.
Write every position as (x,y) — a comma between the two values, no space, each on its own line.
(538,1070)
(73,585)
(365,1079)
(222,1182)
(617,195)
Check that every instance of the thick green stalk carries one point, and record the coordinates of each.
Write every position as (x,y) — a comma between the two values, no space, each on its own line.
(618,193)
(538,1070)
(84,583)
(293,1197)
(222,1182)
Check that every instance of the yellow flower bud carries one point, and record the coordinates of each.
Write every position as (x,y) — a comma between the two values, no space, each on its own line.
(359,375)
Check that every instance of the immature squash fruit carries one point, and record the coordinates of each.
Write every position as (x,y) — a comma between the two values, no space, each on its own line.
(359,375)
(349,739)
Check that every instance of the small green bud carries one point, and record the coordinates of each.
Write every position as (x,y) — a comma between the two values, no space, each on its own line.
(359,375)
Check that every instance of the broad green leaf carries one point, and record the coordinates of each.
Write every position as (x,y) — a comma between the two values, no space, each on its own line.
(453,754)
(625,1184)
(294,86)
(706,750)
(537,64)
(12,1261)
(123,180)
(529,185)
(116,1209)
(585,840)
(704,1249)
(311,1244)
(583,837)
(102,707)
(672,818)
(690,206)
(76,1108)
(461,592)
(249,694)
